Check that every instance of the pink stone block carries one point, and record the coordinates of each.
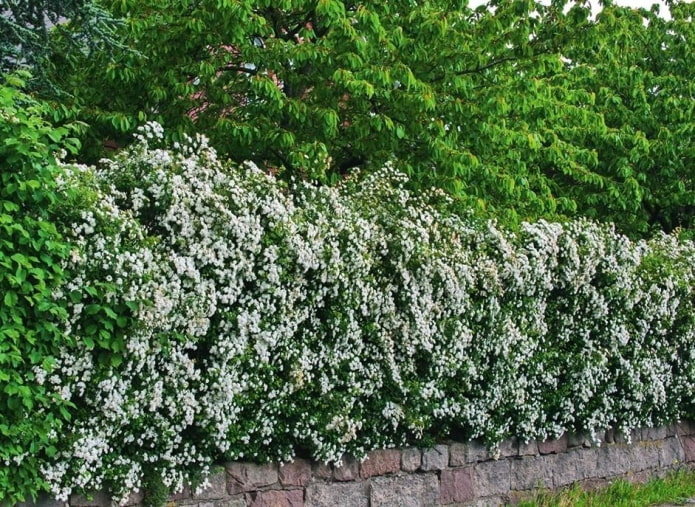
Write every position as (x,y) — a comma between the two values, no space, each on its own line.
(456,485)
(276,498)
(382,462)
(297,473)
(553,446)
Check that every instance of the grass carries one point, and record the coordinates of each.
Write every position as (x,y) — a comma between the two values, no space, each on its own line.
(675,488)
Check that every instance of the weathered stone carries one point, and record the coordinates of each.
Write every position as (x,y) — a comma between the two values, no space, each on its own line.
(297,473)
(685,428)
(411,459)
(322,471)
(529,448)
(609,437)
(578,440)
(216,489)
(659,433)
(347,471)
(457,485)
(632,437)
(613,460)
(531,472)
(476,451)
(689,448)
(553,446)
(183,494)
(353,494)
(381,462)
(507,448)
(99,499)
(458,453)
(492,478)
(670,452)
(404,491)
(276,498)
(436,458)
(243,477)
(239,501)
(575,465)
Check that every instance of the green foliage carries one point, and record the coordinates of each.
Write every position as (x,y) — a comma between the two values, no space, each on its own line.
(31,254)
(264,320)
(522,111)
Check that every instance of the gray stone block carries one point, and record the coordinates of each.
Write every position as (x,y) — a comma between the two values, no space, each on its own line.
(554,446)
(436,458)
(405,491)
(348,471)
(239,501)
(476,451)
(458,453)
(529,448)
(659,433)
(670,453)
(43,500)
(411,459)
(216,490)
(492,478)
(531,472)
(99,499)
(347,494)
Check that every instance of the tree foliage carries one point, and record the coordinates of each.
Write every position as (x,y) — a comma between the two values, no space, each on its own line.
(25,33)
(520,109)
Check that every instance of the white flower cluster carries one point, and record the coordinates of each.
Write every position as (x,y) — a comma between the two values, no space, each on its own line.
(217,314)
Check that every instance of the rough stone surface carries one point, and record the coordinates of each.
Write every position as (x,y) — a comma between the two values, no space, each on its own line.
(457,454)
(243,477)
(531,472)
(404,491)
(507,448)
(659,433)
(573,466)
(232,502)
(322,471)
(436,458)
(613,460)
(99,499)
(457,485)
(685,428)
(382,462)
(476,451)
(348,471)
(217,488)
(297,473)
(670,453)
(689,448)
(492,478)
(43,500)
(553,446)
(411,459)
(353,494)
(276,498)
(529,448)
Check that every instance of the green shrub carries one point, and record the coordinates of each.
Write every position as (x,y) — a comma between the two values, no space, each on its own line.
(31,253)
(215,313)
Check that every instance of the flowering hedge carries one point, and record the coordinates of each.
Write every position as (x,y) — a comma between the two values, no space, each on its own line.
(218,314)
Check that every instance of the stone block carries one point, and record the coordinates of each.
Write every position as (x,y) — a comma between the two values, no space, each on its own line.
(554,446)
(436,458)
(322,471)
(659,433)
(353,494)
(670,453)
(531,472)
(244,477)
(381,462)
(492,478)
(404,491)
(275,498)
(43,500)
(457,485)
(689,448)
(216,489)
(476,451)
(411,459)
(297,473)
(685,428)
(614,460)
(575,465)
(239,501)
(507,449)
(633,436)
(348,469)
(457,454)
(529,448)
(578,440)
(98,499)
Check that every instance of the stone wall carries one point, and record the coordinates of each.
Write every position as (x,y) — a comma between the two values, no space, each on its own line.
(453,474)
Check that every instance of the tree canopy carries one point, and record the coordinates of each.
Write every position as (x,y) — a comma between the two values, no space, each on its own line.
(518,108)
